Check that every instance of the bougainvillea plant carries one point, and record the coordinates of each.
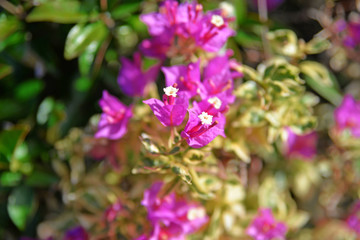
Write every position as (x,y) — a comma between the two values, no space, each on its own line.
(200,120)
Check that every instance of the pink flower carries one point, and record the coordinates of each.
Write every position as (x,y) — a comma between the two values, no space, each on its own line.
(187,77)
(113,211)
(114,119)
(265,227)
(202,127)
(77,233)
(347,115)
(186,25)
(353,220)
(352,38)
(132,78)
(218,78)
(170,217)
(172,110)
(303,146)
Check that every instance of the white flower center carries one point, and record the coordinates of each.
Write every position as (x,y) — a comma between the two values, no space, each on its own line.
(205,118)
(217,20)
(171,91)
(215,101)
(196,213)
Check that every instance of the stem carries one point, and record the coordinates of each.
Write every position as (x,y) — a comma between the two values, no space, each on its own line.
(170,187)
(196,181)
(172,136)
(263,16)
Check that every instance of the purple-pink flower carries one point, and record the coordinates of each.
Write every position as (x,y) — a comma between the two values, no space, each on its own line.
(113,211)
(347,116)
(77,233)
(132,78)
(187,77)
(353,220)
(301,146)
(202,127)
(172,110)
(186,25)
(218,78)
(114,119)
(172,218)
(352,38)
(265,227)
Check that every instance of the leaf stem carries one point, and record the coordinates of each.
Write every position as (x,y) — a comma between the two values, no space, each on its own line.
(263,16)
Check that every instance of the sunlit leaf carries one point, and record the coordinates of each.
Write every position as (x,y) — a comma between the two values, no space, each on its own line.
(57,11)
(10,178)
(20,205)
(319,78)
(8,25)
(317,45)
(82,37)
(125,9)
(11,139)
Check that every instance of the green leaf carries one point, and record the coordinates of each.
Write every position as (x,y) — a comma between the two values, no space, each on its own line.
(321,80)
(9,108)
(125,10)
(240,9)
(284,42)
(247,40)
(5,70)
(40,179)
(29,89)
(84,37)
(82,84)
(9,179)
(86,59)
(8,25)
(317,45)
(57,11)
(11,139)
(20,205)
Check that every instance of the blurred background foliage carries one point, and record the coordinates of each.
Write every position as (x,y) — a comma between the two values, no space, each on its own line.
(56,56)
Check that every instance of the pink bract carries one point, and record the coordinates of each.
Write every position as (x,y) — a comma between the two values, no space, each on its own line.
(114,119)
(265,227)
(347,115)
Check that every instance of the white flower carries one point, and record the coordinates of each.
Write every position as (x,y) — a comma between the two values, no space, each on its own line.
(171,91)
(217,20)
(205,118)
(215,101)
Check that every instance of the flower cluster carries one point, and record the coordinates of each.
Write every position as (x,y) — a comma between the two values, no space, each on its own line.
(114,119)
(171,218)
(206,118)
(347,116)
(182,29)
(265,227)
(350,32)
(353,220)
(303,146)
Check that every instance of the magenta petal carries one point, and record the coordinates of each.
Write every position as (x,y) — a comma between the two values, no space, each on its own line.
(114,119)
(265,227)
(347,115)
(132,79)
(169,115)
(303,146)
(190,75)
(208,134)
